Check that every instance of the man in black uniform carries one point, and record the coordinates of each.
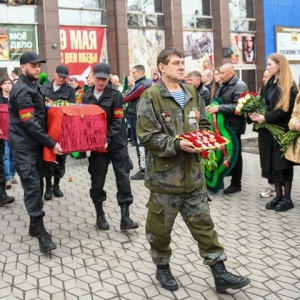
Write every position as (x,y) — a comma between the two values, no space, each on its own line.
(58,89)
(27,136)
(111,101)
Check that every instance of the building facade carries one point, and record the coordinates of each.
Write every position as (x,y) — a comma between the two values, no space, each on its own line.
(79,33)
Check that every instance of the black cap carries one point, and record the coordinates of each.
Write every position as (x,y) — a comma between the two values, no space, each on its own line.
(102,70)
(30,57)
(62,71)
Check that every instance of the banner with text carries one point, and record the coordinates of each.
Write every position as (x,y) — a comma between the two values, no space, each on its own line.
(19,2)
(15,40)
(81,48)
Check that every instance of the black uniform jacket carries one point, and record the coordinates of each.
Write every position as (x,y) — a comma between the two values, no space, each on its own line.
(27,113)
(111,101)
(65,92)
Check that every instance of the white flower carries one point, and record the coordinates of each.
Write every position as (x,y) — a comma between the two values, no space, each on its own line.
(244,100)
(248,96)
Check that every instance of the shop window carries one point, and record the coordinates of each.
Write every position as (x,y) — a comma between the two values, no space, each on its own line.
(145,13)
(196,14)
(242,15)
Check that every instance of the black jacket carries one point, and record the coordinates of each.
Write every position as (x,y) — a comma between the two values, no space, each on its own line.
(229,93)
(111,101)
(27,113)
(204,93)
(65,92)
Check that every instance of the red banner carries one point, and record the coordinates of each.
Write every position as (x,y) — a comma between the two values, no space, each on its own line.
(81,48)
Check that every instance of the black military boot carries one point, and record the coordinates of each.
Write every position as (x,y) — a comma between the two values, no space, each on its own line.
(101,222)
(56,191)
(225,280)
(48,192)
(32,229)
(165,277)
(126,222)
(4,198)
(44,238)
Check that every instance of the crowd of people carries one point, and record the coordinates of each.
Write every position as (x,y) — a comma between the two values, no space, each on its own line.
(149,114)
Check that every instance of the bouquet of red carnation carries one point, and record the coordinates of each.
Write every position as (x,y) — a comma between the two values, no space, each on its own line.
(250,102)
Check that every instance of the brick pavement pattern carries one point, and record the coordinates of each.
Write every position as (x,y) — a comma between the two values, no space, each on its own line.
(92,264)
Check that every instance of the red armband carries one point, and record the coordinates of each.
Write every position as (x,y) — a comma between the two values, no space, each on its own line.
(118,113)
(26,114)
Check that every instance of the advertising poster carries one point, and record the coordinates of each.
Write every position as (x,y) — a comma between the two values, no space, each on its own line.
(243,49)
(15,40)
(198,47)
(144,46)
(19,2)
(288,42)
(81,48)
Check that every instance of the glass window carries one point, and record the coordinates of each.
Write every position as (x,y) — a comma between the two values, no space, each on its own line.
(191,12)
(92,4)
(249,77)
(242,15)
(81,17)
(144,13)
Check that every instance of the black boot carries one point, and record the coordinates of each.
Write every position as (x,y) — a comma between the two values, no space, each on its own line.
(225,280)
(45,241)
(32,229)
(48,192)
(272,204)
(56,191)
(126,222)
(101,222)
(4,198)
(284,205)
(165,277)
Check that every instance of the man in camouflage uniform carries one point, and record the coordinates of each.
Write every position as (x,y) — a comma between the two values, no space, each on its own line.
(173,172)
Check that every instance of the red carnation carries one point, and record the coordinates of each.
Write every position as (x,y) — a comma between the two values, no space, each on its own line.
(204,154)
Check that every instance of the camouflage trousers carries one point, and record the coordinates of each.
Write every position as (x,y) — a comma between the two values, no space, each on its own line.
(194,209)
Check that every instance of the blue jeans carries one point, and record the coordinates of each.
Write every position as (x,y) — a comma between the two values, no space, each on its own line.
(9,162)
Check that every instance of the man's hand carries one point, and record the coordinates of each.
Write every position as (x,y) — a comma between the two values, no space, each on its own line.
(57,149)
(187,147)
(213,109)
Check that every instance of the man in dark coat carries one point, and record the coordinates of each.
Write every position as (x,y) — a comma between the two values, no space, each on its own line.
(111,101)
(229,92)
(194,79)
(27,136)
(58,89)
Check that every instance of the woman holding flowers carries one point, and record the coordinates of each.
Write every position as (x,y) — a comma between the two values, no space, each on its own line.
(279,92)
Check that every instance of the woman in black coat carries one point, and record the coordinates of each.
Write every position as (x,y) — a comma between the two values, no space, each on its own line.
(279,92)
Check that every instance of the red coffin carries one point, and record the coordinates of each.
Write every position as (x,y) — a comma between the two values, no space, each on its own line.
(4,121)
(76,128)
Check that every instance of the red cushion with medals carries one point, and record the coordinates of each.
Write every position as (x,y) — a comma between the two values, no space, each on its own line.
(204,139)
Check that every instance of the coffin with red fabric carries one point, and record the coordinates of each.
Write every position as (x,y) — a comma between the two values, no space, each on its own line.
(76,128)
(4,121)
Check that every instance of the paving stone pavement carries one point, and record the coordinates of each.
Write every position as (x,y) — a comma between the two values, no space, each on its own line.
(93,264)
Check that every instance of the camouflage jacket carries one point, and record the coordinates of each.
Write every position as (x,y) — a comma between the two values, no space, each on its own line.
(170,170)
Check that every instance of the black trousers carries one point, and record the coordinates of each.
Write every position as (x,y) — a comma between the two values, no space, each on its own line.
(29,165)
(56,170)
(2,172)
(237,170)
(98,166)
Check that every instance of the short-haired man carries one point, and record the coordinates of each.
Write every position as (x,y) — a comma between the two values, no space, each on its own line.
(58,89)
(74,84)
(248,49)
(208,65)
(194,79)
(207,79)
(229,92)
(173,172)
(27,136)
(111,101)
(15,76)
(141,84)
